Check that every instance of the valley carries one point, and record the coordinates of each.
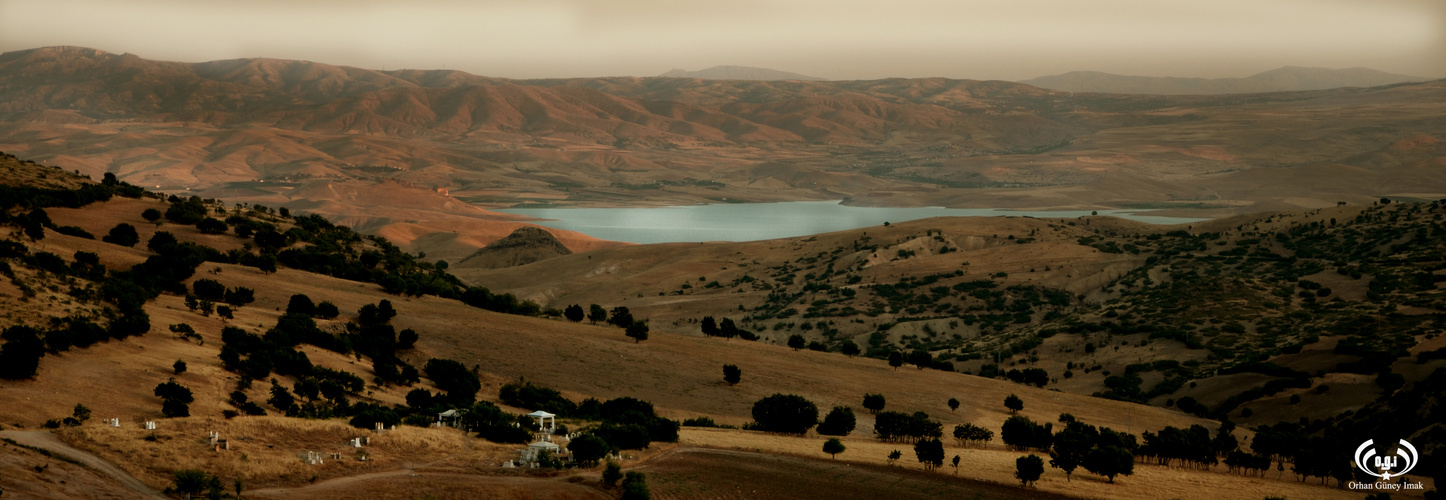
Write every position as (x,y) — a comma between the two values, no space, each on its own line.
(305,278)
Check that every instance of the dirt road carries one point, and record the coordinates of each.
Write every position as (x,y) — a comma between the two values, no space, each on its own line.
(48,442)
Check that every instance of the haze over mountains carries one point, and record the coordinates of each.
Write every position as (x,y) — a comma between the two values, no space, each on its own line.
(1286,79)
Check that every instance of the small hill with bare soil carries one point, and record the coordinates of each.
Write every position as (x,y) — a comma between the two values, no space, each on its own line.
(524,246)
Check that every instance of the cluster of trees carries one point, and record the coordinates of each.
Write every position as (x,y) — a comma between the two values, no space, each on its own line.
(1192,447)
(1021,433)
(967,433)
(620,317)
(175,399)
(1029,376)
(840,421)
(25,346)
(874,403)
(189,482)
(626,423)
(1101,451)
(902,427)
(785,413)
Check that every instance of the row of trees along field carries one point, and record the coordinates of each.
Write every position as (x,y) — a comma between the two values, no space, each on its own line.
(1099,450)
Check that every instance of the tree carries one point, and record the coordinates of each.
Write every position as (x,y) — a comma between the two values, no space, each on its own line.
(921,359)
(786,413)
(162,241)
(635,487)
(209,289)
(1021,433)
(406,339)
(80,413)
(190,481)
(327,310)
(894,455)
(1014,404)
(573,313)
(152,215)
(896,359)
(122,234)
(212,225)
(930,453)
(709,326)
(953,404)
(956,465)
(1071,445)
(833,447)
(1035,376)
(175,399)
(839,422)
(460,383)
(281,398)
(301,304)
(179,367)
(621,317)
(240,296)
(727,329)
(587,449)
(849,348)
(20,356)
(611,474)
(731,374)
(1027,469)
(638,330)
(796,341)
(597,314)
(1110,461)
(874,403)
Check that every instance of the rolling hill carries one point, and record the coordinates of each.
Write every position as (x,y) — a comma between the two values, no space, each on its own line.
(136,292)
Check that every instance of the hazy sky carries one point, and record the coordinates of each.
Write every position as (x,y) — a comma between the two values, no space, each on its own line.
(837,39)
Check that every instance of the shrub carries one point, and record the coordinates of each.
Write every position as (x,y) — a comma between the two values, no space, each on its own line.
(786,413)
(839,422)
(122,234)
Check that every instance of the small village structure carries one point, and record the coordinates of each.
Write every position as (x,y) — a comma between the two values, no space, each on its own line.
(532,455)
(450,418)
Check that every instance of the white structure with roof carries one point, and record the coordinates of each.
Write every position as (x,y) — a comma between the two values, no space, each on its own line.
(544,425)
(534,451)
(450,418)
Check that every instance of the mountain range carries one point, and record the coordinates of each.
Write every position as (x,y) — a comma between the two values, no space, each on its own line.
(326,139)
(1286,79)
(739,73)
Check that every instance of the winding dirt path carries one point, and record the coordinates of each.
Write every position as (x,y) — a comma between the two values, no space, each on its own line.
(47,441)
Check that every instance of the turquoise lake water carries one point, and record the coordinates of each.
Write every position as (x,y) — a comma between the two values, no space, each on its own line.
(764,221)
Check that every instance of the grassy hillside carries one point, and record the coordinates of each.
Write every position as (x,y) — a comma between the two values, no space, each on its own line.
(102,317)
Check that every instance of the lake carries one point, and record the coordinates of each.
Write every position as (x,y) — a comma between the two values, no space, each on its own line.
(764,221)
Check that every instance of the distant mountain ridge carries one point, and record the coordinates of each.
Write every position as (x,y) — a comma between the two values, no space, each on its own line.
(740,73)
(1286,79)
